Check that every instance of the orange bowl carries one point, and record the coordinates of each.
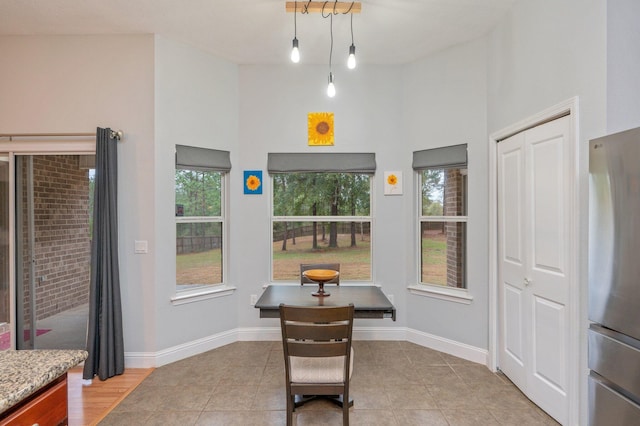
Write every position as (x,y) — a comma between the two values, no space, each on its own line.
(321,274)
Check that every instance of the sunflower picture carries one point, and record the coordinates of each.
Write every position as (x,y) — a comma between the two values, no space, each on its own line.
(392,183)
(320,126)
(253,181)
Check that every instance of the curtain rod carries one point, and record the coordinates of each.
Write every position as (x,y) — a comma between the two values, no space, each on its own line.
(116,134)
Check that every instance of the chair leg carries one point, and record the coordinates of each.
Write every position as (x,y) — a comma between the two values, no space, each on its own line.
(290,408)
(345,410)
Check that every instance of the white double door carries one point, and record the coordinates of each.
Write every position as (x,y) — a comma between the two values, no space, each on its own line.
(534,256)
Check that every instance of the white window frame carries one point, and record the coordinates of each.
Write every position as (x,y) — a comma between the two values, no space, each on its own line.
(208,291)
(436,291)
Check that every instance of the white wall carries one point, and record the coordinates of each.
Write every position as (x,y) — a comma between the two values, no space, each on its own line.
(545,52)
(74,84)
(444,103)
(196,104)
(623,65)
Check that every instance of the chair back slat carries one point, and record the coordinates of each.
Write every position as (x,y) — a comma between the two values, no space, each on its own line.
(316,314)
(317,349)
(317,331)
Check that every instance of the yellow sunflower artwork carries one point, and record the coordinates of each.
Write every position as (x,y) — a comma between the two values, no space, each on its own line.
(320,128)
(253,181)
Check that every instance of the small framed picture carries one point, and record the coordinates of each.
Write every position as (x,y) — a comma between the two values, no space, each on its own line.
(392,183)
(253,181)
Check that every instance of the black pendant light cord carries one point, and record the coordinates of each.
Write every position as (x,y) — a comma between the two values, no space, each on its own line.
(331,48)
(352,29)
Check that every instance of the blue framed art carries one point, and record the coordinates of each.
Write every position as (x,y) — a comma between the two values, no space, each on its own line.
(252,181)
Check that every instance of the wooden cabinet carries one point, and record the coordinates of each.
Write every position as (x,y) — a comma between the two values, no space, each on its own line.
(48,406)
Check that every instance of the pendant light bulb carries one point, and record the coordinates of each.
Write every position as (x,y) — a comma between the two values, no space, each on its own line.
(331,88)
(351,61)
(295,52)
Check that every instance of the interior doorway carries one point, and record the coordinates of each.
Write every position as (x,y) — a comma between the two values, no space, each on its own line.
(53,215)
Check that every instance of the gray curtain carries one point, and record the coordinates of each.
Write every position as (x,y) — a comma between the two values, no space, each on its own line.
(104,335)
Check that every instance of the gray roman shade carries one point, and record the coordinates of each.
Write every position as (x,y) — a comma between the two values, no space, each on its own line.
(203,159)
(322,162)
(442,158)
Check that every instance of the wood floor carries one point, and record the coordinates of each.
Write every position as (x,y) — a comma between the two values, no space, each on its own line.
(90,403)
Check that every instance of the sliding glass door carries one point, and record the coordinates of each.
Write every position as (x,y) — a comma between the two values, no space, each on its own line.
(6,295)
(53,199)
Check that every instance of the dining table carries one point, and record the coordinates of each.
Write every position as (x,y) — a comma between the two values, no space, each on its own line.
(369,301)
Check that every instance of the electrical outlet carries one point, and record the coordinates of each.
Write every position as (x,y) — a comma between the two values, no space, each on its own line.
(253,299)
(390,297)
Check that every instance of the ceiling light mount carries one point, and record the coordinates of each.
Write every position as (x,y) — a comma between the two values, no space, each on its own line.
(319,6)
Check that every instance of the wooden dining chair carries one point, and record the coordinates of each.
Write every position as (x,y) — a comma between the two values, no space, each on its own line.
(307,266)
(318,355)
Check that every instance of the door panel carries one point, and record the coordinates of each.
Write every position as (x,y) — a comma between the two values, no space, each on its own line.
(6,322)
(533,205)
(513,357)
(549,348)
(512,212)
(53,251)
(513,323)
(547,202)
(548,154)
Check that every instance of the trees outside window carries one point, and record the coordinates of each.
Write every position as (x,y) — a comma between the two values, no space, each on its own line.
(199,228)
(321,218)
(443,226)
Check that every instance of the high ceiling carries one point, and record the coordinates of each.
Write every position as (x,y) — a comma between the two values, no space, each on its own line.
(260,31)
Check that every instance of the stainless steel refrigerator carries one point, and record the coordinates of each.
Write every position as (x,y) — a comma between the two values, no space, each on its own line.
(614,279)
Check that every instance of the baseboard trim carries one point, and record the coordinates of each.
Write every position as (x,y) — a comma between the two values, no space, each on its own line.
(178,352)
(185,350)
(451,347)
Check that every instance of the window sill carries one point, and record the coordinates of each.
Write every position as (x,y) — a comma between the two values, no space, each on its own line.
(436,292)
(199,294)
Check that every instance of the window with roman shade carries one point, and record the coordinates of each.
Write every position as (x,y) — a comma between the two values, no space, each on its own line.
(200,216)
(442,215)
(321,213)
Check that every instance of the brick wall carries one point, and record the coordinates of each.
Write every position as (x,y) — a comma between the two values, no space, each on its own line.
(453,206)
(62,240)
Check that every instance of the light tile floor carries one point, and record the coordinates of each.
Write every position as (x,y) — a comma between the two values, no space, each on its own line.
(393,383)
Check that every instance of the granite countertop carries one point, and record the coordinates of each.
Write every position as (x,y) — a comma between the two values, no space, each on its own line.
(24,372)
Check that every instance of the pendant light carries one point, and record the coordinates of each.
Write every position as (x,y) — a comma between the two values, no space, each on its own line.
(326,9)
(295,52)
(331,88)
(351,60)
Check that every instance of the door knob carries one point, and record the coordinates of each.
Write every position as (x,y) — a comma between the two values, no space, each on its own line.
(527,281)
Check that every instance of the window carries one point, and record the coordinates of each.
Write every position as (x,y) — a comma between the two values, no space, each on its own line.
(200,216)
(321,213)
(442,217)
